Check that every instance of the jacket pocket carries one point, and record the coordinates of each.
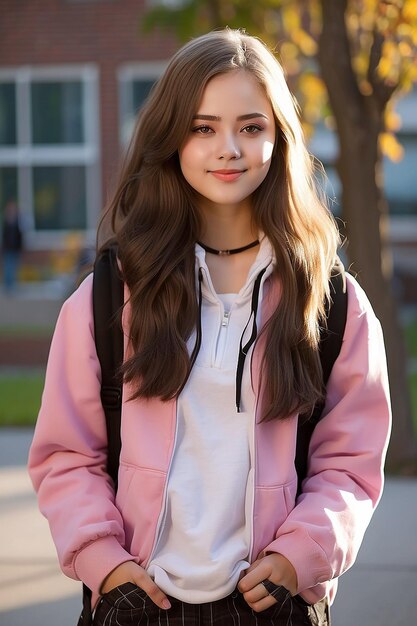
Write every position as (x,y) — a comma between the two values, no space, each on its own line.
(140,499)
(272,505)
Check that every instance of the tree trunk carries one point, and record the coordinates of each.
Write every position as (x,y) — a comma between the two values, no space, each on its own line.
(363,209)
(359,121)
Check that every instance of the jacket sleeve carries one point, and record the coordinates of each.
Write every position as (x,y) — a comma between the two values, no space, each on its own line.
(67,459)
(322,535)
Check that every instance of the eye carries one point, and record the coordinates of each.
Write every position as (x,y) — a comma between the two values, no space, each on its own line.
(252,129)
(202,130)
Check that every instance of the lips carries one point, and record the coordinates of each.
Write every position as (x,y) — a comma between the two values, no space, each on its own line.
(227,175)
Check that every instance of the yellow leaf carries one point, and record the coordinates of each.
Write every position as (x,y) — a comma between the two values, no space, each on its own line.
(290,18)
(404,30)
(288,51)
(365,87)
(412,71)
(410,10)
(367,19)
(306,43)
(391,147)
(404,49)
(289,55)
(313,85)
(390,49)
(392,120)
(352,22)
(383,23)
(361,63)
(384,67)
(391,11)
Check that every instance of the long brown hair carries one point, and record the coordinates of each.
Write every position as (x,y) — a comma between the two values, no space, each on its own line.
(156,225)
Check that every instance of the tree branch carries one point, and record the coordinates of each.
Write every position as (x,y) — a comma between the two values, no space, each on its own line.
(381,90)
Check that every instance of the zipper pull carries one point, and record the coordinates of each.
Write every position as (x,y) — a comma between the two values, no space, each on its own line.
(225,320)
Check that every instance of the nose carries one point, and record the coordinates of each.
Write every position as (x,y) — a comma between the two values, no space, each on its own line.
(229,149)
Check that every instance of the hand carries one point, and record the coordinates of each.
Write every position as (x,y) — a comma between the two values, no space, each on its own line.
(274,567)
(130,572)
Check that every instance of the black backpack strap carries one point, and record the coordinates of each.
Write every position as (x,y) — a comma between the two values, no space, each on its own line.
(331,339)
(107,305)
(86,617)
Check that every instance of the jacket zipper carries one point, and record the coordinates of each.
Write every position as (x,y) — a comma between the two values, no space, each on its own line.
(221,338)
(162,514)
(253,460)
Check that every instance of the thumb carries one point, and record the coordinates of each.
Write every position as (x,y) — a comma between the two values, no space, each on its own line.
(145,582)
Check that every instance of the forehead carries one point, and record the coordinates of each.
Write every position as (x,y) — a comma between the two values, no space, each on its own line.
(238,90)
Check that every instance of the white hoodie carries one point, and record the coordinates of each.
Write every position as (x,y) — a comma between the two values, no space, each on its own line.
(205,530)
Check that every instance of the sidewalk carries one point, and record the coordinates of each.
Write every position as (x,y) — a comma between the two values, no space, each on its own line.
(380,590)
(35,305)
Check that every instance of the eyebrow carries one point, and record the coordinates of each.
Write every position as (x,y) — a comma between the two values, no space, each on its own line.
(217,118)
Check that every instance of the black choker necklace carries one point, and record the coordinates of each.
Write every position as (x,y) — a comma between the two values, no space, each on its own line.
(227,252)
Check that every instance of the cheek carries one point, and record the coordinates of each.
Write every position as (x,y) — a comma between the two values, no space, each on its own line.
(190,155)
(182,156)
(267,150)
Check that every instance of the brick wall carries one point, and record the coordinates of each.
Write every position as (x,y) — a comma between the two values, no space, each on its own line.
(104,32)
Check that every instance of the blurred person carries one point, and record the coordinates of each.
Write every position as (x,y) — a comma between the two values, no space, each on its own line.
(12,244)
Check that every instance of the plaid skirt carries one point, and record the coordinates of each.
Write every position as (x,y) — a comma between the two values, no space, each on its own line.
(128,605)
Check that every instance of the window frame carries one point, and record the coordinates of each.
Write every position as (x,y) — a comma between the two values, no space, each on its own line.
(126,75)
(25,155)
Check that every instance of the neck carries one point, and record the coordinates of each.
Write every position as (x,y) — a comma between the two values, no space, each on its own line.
(228,229)
(229,252)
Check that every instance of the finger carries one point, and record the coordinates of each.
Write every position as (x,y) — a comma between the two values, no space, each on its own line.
(262,604)
(145,582)
(261,571)
(257,593)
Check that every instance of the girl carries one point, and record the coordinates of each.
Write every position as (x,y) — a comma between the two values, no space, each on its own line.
(220,232)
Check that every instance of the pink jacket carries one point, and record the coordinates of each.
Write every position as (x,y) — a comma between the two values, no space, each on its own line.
(320,533)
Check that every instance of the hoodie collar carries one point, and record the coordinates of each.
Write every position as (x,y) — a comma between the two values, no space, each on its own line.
(261,268)
(265,259)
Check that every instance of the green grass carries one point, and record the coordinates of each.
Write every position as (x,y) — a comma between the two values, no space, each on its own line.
(20,396)
(410,332)
(413,391)
(26,331)
(20,393)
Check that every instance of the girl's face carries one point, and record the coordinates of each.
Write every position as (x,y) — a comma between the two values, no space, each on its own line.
(228,151)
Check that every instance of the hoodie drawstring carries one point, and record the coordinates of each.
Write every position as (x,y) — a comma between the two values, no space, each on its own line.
(243,350)
(199,332)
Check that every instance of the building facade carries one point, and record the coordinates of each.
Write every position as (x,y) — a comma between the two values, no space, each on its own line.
(73,74)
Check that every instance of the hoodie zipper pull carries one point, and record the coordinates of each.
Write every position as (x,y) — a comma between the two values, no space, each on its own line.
(226,318)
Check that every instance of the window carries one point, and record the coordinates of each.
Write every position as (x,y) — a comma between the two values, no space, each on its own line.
(49,149)
(8,185)
(135,83)
(57,113)
(7,114)
(399,178)
(59,197)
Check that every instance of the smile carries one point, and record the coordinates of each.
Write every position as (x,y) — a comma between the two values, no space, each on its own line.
(227,175)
